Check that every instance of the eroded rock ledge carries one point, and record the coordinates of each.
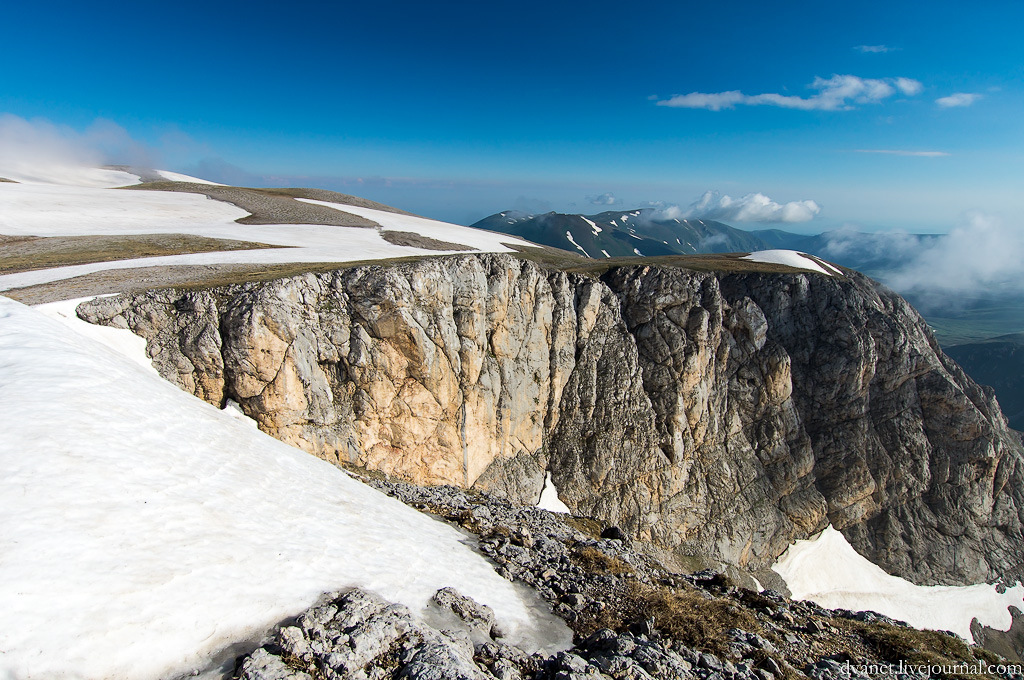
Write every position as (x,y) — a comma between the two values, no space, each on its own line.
(712,414)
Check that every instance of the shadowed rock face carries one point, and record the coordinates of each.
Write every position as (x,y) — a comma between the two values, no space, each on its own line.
(712,414)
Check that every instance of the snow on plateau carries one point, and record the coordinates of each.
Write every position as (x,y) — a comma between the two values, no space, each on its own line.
(178,177)
(51,210)
(143,530)
(827,570)
(790,258)
(474,238)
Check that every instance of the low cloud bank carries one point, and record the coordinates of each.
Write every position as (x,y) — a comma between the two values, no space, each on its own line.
(894,246)
(982,257)
(754,207)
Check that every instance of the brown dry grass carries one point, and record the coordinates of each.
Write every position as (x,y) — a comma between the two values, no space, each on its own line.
(22,254)
(918,647)
(596,562)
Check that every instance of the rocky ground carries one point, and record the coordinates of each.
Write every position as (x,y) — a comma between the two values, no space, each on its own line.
(632,619)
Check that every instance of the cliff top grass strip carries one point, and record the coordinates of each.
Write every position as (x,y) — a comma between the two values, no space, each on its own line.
(277,206)
(196,277)
(717,262)
(30,253)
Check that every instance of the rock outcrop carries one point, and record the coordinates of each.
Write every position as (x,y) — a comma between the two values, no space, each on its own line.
(721,415)
(630,619)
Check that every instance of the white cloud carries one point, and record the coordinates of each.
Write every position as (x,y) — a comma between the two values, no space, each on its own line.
(38,145)
(874,49)
(981,255)
(909,86)
(750,208)
(902,152)
(838,93)
(712,101)
(957,99)
(607,198)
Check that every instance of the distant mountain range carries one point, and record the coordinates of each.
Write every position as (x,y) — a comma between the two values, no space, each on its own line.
(651,232)
(631,233)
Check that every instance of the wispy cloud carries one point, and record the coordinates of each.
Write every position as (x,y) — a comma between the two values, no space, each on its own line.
(838,93)
(958,99)
(902,152)
(875,49)
(754,207)
(607,198)
(32,145)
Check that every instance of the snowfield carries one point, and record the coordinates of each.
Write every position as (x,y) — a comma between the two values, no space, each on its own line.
(61,210)
(827,570)
(63,174)
(142,530)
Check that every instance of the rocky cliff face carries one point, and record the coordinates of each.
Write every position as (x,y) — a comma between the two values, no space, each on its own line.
(722,415)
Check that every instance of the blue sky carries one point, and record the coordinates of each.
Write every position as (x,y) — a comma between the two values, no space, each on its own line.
(457,110)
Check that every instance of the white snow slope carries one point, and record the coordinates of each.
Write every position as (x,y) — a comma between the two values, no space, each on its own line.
(791,258)
(64,210)
(827,570)
(142,530)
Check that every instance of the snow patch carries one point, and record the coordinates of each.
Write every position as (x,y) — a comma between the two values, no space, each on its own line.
(605,253)
(568,235)
(549,499)
(234,409)
(827,570)
(638,252)
(142,530)
(596,229)
(122,341)
(790,258)
(178,177)
(473,238)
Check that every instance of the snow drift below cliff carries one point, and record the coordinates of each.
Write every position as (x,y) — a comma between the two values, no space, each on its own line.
(142,530)
(827,570)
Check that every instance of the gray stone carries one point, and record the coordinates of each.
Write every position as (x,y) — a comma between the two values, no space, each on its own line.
(716,414)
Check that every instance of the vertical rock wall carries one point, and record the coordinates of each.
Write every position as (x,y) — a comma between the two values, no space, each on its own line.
(720,415)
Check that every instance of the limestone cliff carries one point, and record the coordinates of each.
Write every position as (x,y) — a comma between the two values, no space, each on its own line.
(714,414)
